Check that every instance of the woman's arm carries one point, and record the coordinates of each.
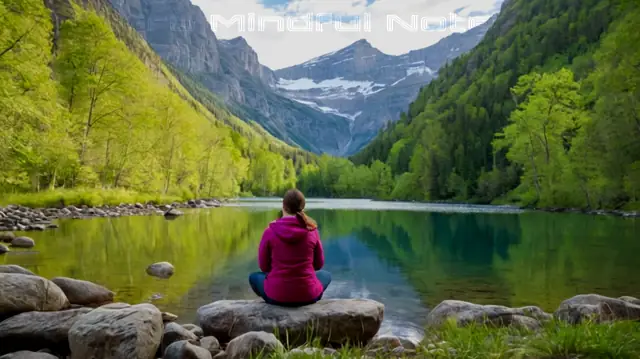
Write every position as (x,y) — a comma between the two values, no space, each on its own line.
(264,253)
(318,254)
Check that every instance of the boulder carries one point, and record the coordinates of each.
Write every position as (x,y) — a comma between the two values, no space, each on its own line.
(335,321)
(24,293)
(465,313)
(252,344)
(117,331)
(7,237)
(185,350)
(174,332)
(194,329)
(3,249)
(37,227)
(83,292)
(15,269)
(172,213)
(169,317)
(598,308)
(211,344)
(161,270)
(39,330)
(28,355)
(23,242)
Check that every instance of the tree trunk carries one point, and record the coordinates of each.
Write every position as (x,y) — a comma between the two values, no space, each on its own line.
(52,184)
(87,129)
(168,169)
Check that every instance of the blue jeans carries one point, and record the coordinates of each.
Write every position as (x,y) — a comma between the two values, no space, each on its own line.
(256,280)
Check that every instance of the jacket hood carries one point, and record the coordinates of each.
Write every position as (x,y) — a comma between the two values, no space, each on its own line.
(289,229)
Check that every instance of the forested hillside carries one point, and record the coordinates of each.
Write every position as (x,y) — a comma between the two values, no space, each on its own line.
(86,103)
(545,111)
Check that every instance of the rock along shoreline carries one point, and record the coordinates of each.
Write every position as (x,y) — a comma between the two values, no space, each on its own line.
(21,218)
(76,319)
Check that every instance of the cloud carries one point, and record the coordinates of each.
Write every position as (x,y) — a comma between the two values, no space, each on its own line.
(343,23)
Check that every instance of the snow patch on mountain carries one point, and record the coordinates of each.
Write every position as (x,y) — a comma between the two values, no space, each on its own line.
(341,61)
(329,110)
(337,87)
(399,81)
(420,70)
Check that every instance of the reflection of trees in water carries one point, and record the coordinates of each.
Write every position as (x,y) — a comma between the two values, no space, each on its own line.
(359,272)
(439,254)
(562,255)
(532,258)
(115,252)
(474,238)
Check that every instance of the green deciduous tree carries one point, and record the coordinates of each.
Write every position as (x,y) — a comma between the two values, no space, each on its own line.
(540,131)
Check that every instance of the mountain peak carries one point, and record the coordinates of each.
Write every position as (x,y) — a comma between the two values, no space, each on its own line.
(241,41)
(361,43)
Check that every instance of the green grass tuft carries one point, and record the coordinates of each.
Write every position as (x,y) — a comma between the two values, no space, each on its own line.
(556,340)
(560,340)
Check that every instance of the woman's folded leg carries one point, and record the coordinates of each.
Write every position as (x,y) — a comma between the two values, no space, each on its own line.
(256,280)
(325,278)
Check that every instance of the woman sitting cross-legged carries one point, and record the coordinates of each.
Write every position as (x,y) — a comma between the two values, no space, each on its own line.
(291,258)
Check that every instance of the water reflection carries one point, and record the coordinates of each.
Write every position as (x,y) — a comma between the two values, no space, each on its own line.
(408,260)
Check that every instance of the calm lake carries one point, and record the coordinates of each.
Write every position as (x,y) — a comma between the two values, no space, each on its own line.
(407,256)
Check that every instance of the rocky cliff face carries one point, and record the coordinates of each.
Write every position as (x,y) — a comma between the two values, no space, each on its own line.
(180,33)
(244,55)
(368,87)
(177,30)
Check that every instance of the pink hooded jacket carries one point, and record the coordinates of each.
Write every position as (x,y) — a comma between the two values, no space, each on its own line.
(290,254)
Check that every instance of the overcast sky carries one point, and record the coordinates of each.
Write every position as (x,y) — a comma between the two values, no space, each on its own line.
(300,38)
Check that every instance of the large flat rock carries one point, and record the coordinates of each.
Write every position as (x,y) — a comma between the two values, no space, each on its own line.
(465,313)
(14,269)
(82,292)
(595,307)
(117,331)
(39,330)
(25,354)
(335,321)
(24,293)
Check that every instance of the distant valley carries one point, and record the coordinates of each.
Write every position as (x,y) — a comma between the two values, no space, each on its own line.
(180,33)
(333,104)
(368,87)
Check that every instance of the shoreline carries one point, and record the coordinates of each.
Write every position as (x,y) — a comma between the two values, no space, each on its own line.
(591,212)
(25,219)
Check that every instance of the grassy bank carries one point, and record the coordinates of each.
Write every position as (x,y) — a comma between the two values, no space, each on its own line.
(557,340)
(88,197)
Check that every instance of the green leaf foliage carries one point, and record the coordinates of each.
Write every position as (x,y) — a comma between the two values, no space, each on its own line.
(100,110)
(543,112)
